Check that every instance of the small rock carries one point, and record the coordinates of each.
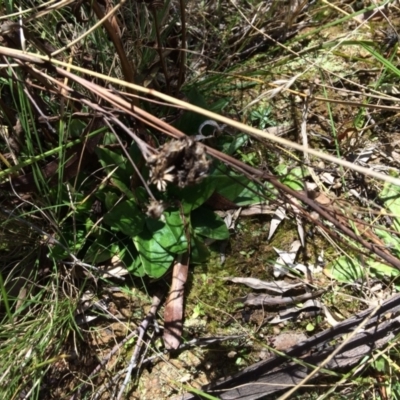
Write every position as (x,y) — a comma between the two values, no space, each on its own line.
(232,354)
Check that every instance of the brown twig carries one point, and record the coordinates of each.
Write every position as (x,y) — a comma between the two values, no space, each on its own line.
(141,330)
(112,29)
(182,52)
(160,49)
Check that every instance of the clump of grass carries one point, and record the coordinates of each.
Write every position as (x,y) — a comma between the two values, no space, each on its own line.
(36,324)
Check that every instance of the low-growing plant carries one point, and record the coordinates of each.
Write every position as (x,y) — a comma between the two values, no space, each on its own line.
(351,269)
(261,117)
(147,233)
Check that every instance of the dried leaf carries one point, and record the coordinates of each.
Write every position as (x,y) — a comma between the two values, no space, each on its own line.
(309,269)
(327,178)
(276,287)
(22,295)
(278,130)
(279,268)
(256,209)
(290,256)
(329,317)
(117,268)
(323,199)
(278,217)
(311,186)
(365,155)
(85,319)
(231,217)
(86,305)
(296,207)
(286,258)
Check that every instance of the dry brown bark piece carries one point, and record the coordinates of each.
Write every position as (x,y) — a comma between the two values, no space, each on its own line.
(269,301)
(173,314)
(265,378)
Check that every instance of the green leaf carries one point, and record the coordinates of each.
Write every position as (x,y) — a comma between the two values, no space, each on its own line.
(240,189)
(310,327)
(141,196)
(199,252)
(169,234)
(345,269)
(380,364)
(126,217)
(101,250)
(349,270)
(200,393)
(381,270)
(155,259)
(220,104)
(390,195)
(111,199)
(137,157)
(120,177)
(293,182)
(130,257)
(253,194)
(206,223)
(176,224)
(192,197)
(390,240)
(293,178)
(229,186)
(230,144)
(137,267)
(190,121)
(76,127)
(281,169)
(198,311)
(73,241)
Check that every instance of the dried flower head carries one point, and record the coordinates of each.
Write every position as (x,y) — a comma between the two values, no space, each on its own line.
(182,161)
(155,209)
